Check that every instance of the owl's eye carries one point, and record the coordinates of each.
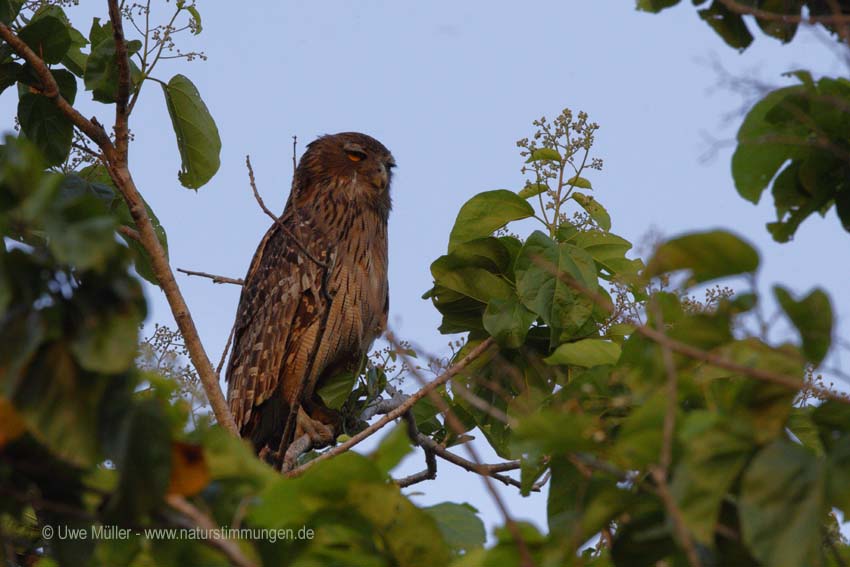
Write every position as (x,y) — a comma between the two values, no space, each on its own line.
(355,155)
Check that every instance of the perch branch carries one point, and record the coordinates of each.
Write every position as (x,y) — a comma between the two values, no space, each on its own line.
(457,426)
(122,114)
(399,411)
(738,8)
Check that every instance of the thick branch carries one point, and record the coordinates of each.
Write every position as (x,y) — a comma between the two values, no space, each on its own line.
(229,548)
(399,411)
(162,270)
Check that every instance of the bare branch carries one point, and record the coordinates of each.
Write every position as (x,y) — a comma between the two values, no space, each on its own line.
(215,279)
(227,547)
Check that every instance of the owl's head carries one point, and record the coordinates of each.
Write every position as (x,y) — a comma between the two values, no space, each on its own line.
(349,162)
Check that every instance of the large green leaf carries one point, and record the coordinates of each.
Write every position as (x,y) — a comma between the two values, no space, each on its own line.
(707,255)
(716,449)
(782,506)
(507,320)
(9,10)
(197,134)
(49,37)
(586,352)
(101,68)
(812,316)
(728,24)
(580,506)
(460,525)
(143,456)
(393,448)
(551,279)
(43,123)
(486,212)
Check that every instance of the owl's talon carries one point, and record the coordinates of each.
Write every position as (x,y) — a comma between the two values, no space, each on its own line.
(309,434)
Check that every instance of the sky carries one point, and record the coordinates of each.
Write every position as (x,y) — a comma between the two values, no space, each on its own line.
(449,87)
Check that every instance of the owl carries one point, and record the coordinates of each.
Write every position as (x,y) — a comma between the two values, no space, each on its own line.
(316,294)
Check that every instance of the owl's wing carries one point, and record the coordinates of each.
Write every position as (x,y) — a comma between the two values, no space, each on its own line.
(280,302)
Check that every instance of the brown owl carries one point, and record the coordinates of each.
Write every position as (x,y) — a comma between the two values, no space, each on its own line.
(316,293)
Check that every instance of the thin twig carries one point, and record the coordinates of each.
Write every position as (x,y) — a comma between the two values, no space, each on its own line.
(215,279)
(457,426)
(226,349)
(294,152)
(229,548)
(277,220)
(399,411)
(666,457)
(675,515)
(130,233)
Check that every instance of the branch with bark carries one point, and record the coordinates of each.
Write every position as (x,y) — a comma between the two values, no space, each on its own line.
(115,158)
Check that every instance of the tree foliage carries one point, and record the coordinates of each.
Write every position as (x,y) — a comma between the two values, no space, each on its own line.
(665,430)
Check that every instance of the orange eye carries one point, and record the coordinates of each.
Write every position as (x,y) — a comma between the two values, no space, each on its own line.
(355,155)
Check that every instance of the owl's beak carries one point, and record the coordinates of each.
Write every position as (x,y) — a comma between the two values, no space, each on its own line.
(381,178)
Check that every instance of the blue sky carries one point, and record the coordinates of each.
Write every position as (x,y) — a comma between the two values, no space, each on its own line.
(449,87)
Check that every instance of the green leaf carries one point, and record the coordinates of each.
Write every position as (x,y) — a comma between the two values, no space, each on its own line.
(532,190)
(812,316)
(596,211)
(655,6)
(474,282)
(460,525)
(543,154)
(335,390)
(101,73)
(48,37)
(586,352)
(579,507)
(108,343)
(9,73)
(197,134)
(486,212)
(508,321)
(761,151)
(716,448)
(579,182)
(43,123)
(543,269)
(781,506)
(196,19)
(143,457)
(393,448)
(708,255)
(728,25)
(9,10)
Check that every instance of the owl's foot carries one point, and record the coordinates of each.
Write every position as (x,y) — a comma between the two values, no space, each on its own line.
(309,434)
